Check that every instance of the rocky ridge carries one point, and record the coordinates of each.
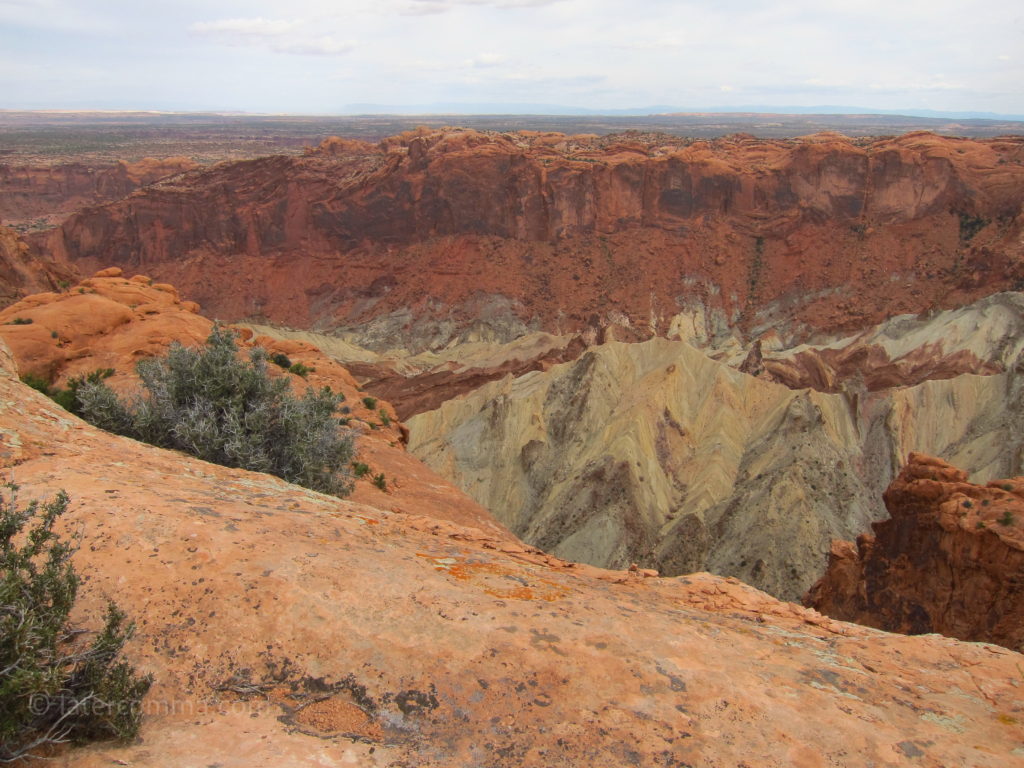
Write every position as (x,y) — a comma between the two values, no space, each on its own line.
(286,627)
(949,559)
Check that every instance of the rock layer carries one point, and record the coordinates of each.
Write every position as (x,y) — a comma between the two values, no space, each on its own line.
(432,235)
(32,195)
(285,627)
(950,559)
(21,272)
(655,454)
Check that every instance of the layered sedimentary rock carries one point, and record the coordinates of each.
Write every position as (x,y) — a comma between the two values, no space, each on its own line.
(46,194)
(653,453)
(284,627)
(433,235)
(111,321)
(21,272)
(984,337)
(950,559)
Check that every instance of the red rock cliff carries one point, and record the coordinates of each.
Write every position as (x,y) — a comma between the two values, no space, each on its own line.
(950,560)
(560,232)
(28,192)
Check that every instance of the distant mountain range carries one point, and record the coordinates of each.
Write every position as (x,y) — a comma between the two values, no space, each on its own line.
(454,108)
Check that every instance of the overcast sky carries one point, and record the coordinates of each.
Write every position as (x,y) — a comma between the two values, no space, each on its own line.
(318,56)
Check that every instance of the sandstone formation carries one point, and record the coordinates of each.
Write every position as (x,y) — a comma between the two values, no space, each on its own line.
(433,235)
(984,337)
(415,383)
(22,272)
(950,559)
(109,321)
(654,453)
(46,194)
(285,627)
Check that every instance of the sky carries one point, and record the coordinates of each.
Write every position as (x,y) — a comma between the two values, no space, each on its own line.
(323,56)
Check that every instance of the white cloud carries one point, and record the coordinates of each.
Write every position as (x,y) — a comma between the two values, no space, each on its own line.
(246,28)
(279,35)
(431,7)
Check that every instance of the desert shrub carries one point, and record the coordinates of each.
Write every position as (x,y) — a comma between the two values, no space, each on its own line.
(370,402)
(21,321)
(300,370)
(360,469)
(53,687)
(67,398)
(1007,518)
(207,402)
(385,419)
(281,360)
(380,481)
(37,383)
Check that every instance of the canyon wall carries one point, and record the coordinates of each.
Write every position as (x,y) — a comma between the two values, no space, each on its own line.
(37,195)
(432,235)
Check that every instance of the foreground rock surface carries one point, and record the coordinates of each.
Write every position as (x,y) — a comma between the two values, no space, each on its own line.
(285,627)
(950,559)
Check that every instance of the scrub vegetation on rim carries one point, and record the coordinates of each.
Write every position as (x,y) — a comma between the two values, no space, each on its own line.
(207,402)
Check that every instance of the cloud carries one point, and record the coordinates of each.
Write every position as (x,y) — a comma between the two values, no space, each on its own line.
(485,61)
(245,28)
(431,7)
(279,35)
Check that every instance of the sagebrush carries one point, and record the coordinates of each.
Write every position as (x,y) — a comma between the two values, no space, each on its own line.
(53,687)
(208,402)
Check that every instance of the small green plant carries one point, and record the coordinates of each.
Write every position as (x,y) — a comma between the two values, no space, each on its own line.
(67,398)
(37,383)
(1006,519)
(281,360)
(53,687)
(980,524)
(370,402)
(380,481)
(1007,486)
(54,335)
(968,504)
(970,226)
(359,469)
(299,370)
(207,402)
(21,321)
(385,419)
